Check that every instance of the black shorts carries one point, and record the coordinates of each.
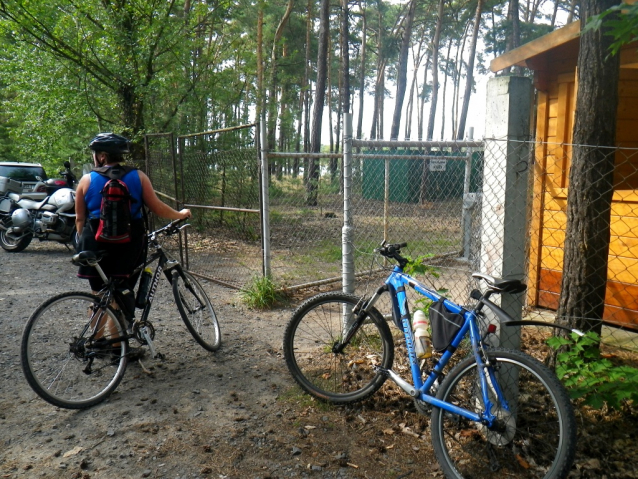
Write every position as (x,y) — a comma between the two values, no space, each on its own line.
(120,260)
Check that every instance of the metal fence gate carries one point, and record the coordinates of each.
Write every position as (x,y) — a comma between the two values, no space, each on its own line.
(216,175)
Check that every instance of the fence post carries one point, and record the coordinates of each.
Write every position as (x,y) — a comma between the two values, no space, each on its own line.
(265,200)
(505,190)
(468,205)
(347,257)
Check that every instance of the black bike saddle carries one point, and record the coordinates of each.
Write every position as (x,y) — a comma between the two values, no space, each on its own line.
(502,285)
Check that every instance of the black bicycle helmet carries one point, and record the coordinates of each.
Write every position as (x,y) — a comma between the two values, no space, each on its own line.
(110,143)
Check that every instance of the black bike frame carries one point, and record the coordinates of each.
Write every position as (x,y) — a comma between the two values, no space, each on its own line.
(164,265)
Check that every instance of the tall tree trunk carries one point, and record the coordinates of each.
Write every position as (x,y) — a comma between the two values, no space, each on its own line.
(514,37)
(272,97)
(553,22)
(306,135)
(260,62)
(535,7)
(402,71)
(591,177)
(317,112)
(435,70)
(572,11)
(329,99)
(345,57)
(411,96)
(447,66)
(469,78)
(421,111)
(362,71)
(379,90)
(458,64)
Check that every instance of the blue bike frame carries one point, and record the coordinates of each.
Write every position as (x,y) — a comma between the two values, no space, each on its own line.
(396,283)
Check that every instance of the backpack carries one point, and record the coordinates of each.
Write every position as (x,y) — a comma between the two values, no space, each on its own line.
(115,210)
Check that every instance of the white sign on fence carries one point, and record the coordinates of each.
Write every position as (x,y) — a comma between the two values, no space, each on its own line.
(437,165)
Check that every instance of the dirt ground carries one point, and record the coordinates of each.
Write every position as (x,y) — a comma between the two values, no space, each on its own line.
(235,413)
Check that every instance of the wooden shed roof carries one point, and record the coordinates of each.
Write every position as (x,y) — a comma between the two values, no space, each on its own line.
(524,55)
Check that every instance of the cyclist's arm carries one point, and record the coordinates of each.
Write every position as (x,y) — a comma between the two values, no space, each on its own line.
(80,203)
(156,205)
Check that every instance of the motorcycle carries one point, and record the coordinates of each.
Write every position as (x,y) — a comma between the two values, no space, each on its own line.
(52,219)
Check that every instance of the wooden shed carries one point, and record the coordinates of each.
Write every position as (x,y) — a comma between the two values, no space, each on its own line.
(553,59)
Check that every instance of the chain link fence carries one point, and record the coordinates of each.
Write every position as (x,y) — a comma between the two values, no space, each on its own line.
(604,228)
(498,207)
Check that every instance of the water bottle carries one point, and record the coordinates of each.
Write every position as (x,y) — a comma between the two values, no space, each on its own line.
(145,285)
(422,344)
(127,297)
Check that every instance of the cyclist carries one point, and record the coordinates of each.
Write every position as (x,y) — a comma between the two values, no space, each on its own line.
(108,150)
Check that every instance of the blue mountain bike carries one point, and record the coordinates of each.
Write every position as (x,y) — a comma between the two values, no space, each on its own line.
(497,411)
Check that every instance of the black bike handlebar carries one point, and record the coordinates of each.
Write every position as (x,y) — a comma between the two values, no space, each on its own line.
(170,229)
(393,251)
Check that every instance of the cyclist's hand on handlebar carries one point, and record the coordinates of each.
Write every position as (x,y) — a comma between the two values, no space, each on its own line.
(185,214)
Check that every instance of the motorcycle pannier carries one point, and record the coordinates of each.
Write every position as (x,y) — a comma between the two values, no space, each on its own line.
(445,325)
(7,185)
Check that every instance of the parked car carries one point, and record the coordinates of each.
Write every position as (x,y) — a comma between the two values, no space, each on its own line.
(27,174)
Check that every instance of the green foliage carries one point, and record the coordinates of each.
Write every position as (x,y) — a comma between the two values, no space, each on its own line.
(589,376)
(417,266)
(262,292)
(622,26)
(78,67)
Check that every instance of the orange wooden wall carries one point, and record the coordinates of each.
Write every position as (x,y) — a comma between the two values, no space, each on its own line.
(554,123)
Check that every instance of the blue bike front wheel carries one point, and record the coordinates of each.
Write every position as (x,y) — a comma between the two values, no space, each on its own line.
(319,361)
(533,436)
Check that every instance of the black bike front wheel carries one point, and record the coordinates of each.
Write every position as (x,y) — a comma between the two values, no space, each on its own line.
(534,437)
(72,355)
(343,376)
(196,311)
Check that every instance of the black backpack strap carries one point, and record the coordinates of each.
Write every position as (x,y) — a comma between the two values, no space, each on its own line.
(114,172)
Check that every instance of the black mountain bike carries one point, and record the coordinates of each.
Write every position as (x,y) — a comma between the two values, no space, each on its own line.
(75,346)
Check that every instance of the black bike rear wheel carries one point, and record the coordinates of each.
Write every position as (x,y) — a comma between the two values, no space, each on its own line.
(71,353)
(340,377)
(196,311)
(535,438)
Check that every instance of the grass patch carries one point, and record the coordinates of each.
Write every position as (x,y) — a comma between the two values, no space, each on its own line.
(262,292)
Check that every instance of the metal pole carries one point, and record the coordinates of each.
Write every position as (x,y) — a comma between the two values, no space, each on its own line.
(386,197)
(265,218)
(347,257)
(181,199)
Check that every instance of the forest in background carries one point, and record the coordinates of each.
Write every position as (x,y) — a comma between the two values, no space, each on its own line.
(72,68)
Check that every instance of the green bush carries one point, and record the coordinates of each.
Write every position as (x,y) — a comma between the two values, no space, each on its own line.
(590,377)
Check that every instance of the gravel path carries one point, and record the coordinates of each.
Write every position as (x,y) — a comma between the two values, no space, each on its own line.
(232,413)
(235,413)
